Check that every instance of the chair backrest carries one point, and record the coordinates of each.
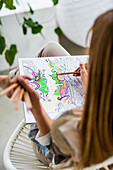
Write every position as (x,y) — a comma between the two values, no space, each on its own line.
(18,153)
(104,165)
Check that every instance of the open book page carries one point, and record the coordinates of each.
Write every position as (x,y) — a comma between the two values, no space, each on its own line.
(57,92)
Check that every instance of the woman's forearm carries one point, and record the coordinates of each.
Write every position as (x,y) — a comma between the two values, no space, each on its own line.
(43,121)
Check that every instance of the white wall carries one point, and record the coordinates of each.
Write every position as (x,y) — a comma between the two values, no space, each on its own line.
(75,17)
(27,45)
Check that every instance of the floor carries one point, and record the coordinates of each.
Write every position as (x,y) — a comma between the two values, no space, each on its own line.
(9,119)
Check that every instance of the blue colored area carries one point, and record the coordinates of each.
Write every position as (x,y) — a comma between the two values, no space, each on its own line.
(44,148)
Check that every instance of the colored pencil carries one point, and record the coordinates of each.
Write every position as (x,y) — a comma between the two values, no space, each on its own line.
(15,94)
(74,72)
(21,92)
(8,89)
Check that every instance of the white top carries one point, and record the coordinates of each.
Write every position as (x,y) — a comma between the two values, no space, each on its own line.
(44,140)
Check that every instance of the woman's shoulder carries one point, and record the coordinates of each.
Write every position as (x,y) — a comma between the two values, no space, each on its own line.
(70,119)
(76,111)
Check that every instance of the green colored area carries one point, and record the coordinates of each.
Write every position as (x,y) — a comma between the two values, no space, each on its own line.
(52,64)
(44,85)
(42,80)
(56,82)
(53,71)
(54,76)
(57,93)
(43,89)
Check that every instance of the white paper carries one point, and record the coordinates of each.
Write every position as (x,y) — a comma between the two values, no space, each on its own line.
(57,93)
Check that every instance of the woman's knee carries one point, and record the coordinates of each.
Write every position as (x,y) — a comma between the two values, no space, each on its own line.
(53,48)
(52,43)
(50,48)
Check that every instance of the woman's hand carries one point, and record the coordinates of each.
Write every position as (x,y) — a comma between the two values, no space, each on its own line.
(83,73)
(4,81)
(84,76)
(43,120)
(23,81)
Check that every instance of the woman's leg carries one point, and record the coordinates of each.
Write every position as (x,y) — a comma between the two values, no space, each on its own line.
(40,154)
(53,49)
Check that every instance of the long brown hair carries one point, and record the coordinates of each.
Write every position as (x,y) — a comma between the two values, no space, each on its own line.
(97,122)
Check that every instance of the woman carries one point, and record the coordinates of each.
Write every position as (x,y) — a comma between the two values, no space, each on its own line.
(95,130)
(87,139)
(97,121)
(51,49)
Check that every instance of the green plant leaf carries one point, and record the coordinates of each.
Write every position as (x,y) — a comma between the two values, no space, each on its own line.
(1,5)
(30,23)
(55,2)
(9,4)
(31,10)
(36,30)
(2,44)
(24,28)
(35,26)
(58,31)
(10,54)
(0,22)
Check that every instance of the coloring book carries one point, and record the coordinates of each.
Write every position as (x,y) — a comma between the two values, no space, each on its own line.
(57,92)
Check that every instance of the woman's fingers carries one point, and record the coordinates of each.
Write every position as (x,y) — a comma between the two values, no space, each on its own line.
(4,81)
(76,74)
(22,81)
(19,98)
(82,67)
(15,94)
(84,75)
(15,79)
(32,96)
(86,66)
(77,70)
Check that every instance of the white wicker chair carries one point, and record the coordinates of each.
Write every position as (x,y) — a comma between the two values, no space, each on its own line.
(18,153)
